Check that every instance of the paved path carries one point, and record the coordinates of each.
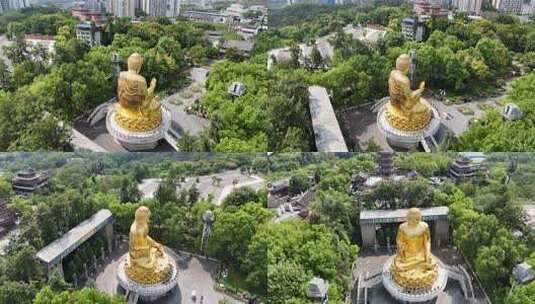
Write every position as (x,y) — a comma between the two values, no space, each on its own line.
(189,123)
(148,187)
(257,181)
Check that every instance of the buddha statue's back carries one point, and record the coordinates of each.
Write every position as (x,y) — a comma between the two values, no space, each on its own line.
(137,109)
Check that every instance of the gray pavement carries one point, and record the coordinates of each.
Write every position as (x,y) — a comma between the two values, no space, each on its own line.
(99,134)
(194,274)
(178,103)
(189,123)
(148,187)
(359,125)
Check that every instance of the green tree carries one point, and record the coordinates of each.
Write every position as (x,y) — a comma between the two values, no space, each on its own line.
(233,230)
(129,192)
(287,280)
(522,295)
(241,196)
(17,292)
(86,295)
(166,192)
(336,209)
(299,182)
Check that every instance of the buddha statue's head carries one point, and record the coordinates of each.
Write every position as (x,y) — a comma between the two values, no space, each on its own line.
(414,216)
(142,215)
(135,61)
(403,63)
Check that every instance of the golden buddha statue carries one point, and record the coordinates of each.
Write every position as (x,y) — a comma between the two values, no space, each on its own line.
(414,266)
(407,110)
(147,262)
(137,109)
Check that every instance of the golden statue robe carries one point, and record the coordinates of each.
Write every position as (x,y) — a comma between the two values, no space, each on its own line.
(147,262)
(406,110)
(414,266)
(137,108)
(132,90)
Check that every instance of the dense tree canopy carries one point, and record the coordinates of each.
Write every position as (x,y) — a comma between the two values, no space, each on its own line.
(493,133)
(45,90)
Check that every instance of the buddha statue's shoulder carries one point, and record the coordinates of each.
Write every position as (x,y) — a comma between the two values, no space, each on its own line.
(403,227)
(132,78)
(134,230)
(399,77)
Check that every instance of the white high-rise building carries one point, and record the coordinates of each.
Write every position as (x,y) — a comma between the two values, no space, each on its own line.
(155,7)
(18,4)
(11,5)
(508,6)
(528,8)
(123,8)
(167,8)
(469,6)
(173,8)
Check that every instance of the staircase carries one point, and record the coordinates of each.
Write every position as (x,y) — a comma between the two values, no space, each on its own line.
(459,274)
(379,104)
(99,112)
(363,284)
(429,144)
(131,297)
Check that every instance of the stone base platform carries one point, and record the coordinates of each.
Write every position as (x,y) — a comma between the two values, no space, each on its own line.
(406,139)
(147,293)
(413,295)
(137,141)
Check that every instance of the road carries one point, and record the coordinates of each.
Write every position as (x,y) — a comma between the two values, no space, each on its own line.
(207,188)
(257,181)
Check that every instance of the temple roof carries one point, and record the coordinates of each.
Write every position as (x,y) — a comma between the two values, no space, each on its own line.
(399,215)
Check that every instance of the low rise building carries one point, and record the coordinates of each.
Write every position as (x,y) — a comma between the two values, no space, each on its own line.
(88,33)
(205,16)
(413,29)
(386,163)
(523,273)
(243,47)
(511,112)
(91,11)
(27,181)
(45,41)
(428,8)
(463,168)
